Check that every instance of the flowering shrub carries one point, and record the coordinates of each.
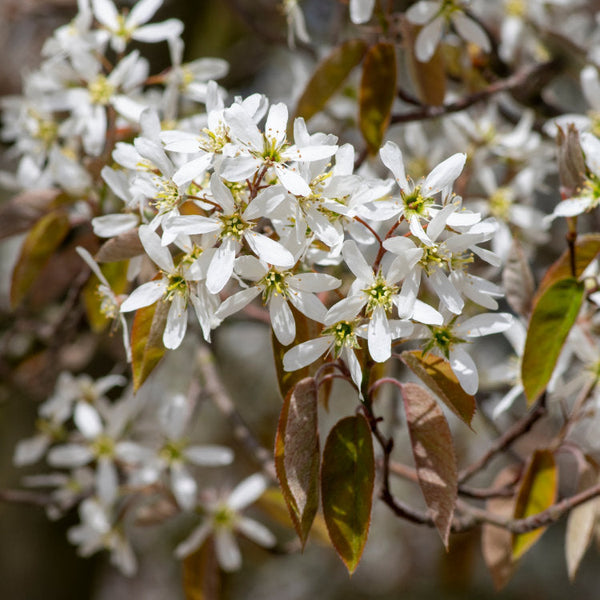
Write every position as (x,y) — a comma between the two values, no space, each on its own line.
(385,262)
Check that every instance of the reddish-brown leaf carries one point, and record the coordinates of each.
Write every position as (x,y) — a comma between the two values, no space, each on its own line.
(122,247)
(146,340)
(41,242)
(329,77)
(433,451)
(297,455)
(435,372)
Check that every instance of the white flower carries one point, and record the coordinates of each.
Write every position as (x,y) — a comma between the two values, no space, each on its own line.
(295,22)
(122,29)
(448,340)
(436,15)
(361,10)
(223,519)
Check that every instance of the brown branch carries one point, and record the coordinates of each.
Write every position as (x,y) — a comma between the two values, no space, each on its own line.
(504,441)
(215,389)
(510,83)
(26,497)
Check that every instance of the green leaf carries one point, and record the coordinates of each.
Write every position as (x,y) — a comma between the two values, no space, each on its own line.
(201,579)
(146,340)
(537,492)
(41,242)
(297,455)
(496,542)
(553,316)
(377,93)
(329,76)
(587,247)
(429,78)
(347,479)
(435,372)
(434,455)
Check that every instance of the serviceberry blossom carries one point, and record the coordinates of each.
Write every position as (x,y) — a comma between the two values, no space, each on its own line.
(223,519)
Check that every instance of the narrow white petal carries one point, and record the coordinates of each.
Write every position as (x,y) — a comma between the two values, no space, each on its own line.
(276,123)
(391,156)
(470,30)
(256,532)
(308,304)
(107,483)
(428,39)
(292,180)
(345,309)
(192,169)
(236,302)
(70,455)
(112,225)
(145,295)
(314,282)
(87,420)
(247,491)
(379,337)
(465,370)
(282,320)
(30,450)
(227,550)
(184,487)
(222,194)
(269,250)
(142,12)
(446,292)
(154,249)
(444,174)
(209,456)
(194,541)
(176,324)
(485,324)
(158,31)
(421,12)
(221,266)
(354,366)
(423,313)
(572,207)
(356,262)
(306,353)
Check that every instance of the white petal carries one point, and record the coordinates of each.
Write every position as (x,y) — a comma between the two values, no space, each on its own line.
(239,168)
(276,123)
(292,180)
(444,174)
(446,292)
(421,12)
(308,304)
(87,420)
(428,39)
(221,266)
(354,367)
(106,12)
(361,10)
(465,370)
(227,550)
(112,225)
(30,450)
(184,487)
(209,456)
(304,354)
(269,250)
(158,31)
(222,194)
(391,156)
(154,249)
(485,324)
(256,532)
(314,282)
(379,337)
(69,455)
(282,320)
(247,491)
(423,313)
(145,295)
(345,309)
(194,541)
(107,483)
(192,169)
(142,12)
(236,302)
(176,324)
(470,30)
(356,262)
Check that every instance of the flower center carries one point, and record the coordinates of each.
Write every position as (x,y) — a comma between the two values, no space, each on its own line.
(380,294)
(167,197)
(416,204)
(274,283)
(103,446)
(101,90)
(343,334)
(233,226)
(500,202)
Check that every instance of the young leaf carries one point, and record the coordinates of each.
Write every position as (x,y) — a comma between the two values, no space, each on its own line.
(496,542)
(297,455)
(377,93)
(587,247)
(201,574)
(580,525)
(146,340)
(41,242)
(537,492)
(347,479)
(23,210)
(435,372)
(428,78)
(553,316)
(517,280)
(329,76)
(122,247)
(434,456)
